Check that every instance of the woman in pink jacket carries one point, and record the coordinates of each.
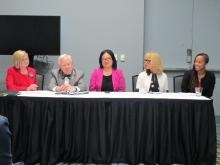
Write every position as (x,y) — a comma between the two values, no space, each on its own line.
(107,77)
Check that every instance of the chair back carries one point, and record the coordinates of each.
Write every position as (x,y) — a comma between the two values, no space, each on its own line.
(177,81)
(40,81)
(134,81)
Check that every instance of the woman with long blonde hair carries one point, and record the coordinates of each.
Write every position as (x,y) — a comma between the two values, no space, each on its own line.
(152,79)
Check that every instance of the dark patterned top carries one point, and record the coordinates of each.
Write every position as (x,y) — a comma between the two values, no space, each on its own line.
(154,85)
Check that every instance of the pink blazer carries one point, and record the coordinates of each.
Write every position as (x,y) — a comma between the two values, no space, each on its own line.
(118,80)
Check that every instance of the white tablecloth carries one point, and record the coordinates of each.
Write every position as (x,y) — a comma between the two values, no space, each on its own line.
(187,96)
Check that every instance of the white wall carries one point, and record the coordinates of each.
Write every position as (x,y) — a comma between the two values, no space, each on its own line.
(88,27)
(206,31)
(168,30)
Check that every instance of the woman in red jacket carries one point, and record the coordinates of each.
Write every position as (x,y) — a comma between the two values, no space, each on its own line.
(20,77)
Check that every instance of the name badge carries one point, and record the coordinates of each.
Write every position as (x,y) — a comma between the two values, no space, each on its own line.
(31,75)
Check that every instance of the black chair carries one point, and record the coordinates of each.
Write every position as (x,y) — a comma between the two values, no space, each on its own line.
(40,81)
(177,81)
(134,81)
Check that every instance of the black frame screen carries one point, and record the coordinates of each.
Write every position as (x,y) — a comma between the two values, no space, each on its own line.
(38,35)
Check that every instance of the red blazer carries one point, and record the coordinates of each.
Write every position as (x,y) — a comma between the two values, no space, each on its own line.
(118,80)
(18,82)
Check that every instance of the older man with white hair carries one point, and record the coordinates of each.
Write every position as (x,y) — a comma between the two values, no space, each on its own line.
(66,78)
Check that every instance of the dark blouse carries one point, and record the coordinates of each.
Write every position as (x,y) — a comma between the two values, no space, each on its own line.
(107,83)
(207,83)
(154,85)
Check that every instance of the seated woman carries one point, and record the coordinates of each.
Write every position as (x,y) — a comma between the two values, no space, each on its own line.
(152,79)
(20,77)
(199,77)
(107,77)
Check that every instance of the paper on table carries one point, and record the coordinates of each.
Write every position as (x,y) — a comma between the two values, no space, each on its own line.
(186,96)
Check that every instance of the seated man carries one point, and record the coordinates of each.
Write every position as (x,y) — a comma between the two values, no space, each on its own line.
(5,142)
(66,78)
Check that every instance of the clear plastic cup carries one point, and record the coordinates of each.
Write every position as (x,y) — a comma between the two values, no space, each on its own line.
(198,91)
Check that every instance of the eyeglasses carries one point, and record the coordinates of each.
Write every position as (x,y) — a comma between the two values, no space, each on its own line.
(106,59)
(146,60)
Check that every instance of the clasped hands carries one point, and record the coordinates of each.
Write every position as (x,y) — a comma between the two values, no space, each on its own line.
(65,88)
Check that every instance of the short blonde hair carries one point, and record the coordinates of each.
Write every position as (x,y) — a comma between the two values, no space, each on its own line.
(18,57)
(156,64)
